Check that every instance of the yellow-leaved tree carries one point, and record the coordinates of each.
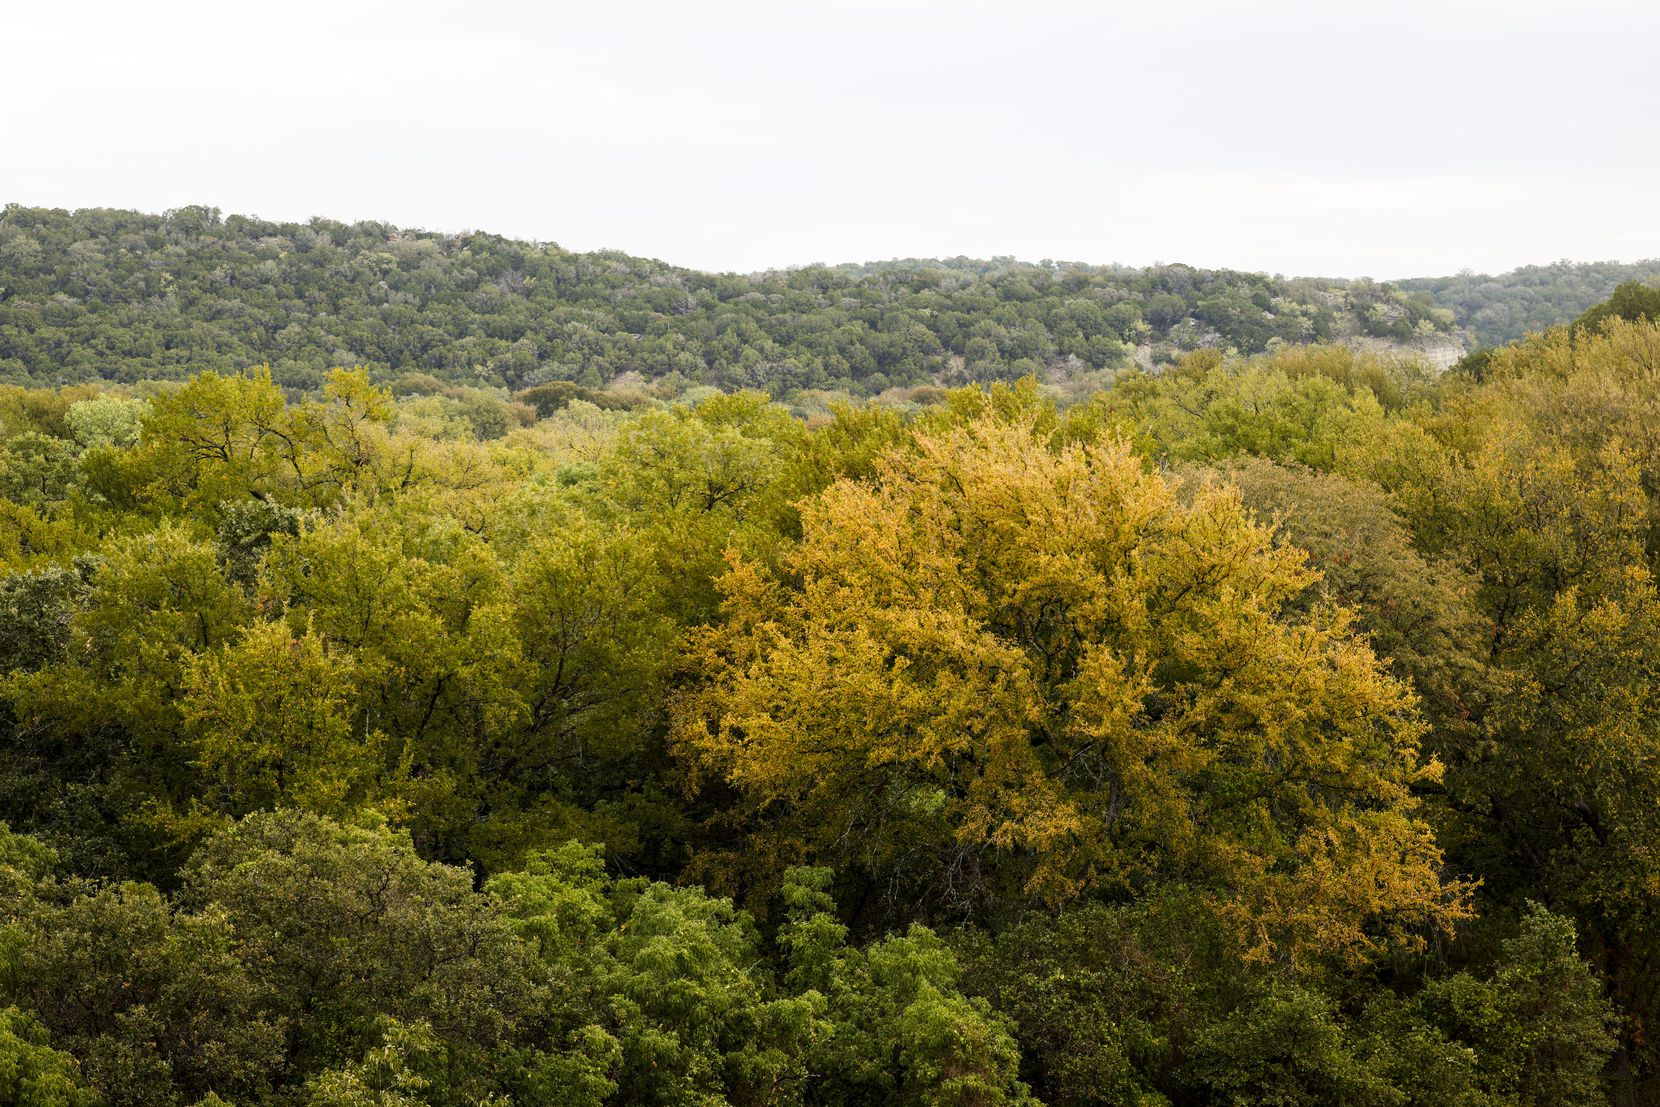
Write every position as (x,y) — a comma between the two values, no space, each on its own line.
(1005,671)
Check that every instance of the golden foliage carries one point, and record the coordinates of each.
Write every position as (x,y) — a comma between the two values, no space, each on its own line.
(1005,665)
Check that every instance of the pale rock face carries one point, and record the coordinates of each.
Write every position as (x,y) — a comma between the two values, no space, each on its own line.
(1437,353)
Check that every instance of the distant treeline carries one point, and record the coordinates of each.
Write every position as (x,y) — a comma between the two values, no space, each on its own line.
(118,295)
(1496,310)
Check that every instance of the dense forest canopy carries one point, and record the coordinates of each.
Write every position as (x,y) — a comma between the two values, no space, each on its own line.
(100,294)
(1271,727)
(103,294)
(1495,310)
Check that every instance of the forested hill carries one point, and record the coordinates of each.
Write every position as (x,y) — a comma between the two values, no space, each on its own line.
(1495,310)
(119,295)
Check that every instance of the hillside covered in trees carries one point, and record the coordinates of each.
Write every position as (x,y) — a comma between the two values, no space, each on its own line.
(1495,310)
(1271,729)
(117,295)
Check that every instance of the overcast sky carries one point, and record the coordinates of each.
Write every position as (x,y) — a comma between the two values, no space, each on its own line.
(1333,138)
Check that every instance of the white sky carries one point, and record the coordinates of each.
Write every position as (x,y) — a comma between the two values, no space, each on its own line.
(1334,138)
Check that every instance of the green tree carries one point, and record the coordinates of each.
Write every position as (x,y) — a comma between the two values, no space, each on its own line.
(1540,1029)
(32,1073)
(1631,300)
(268,719)
(1285,1047)
(105,421)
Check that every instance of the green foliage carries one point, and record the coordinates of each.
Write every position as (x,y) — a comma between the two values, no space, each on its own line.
(670,975)
(1539,1030)
(1419,610)
(894,1006)
(1285,1047)
(153,1003)
(32,1073)
(396,1073)
(119,295)
(556,396)
(1632,301)
(279,962)
(1529,300)
(35,611)
(679,982)
(105,421)
(1144,1004)
(1228,724)
(267,719)
(35,468)
(1309,406)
